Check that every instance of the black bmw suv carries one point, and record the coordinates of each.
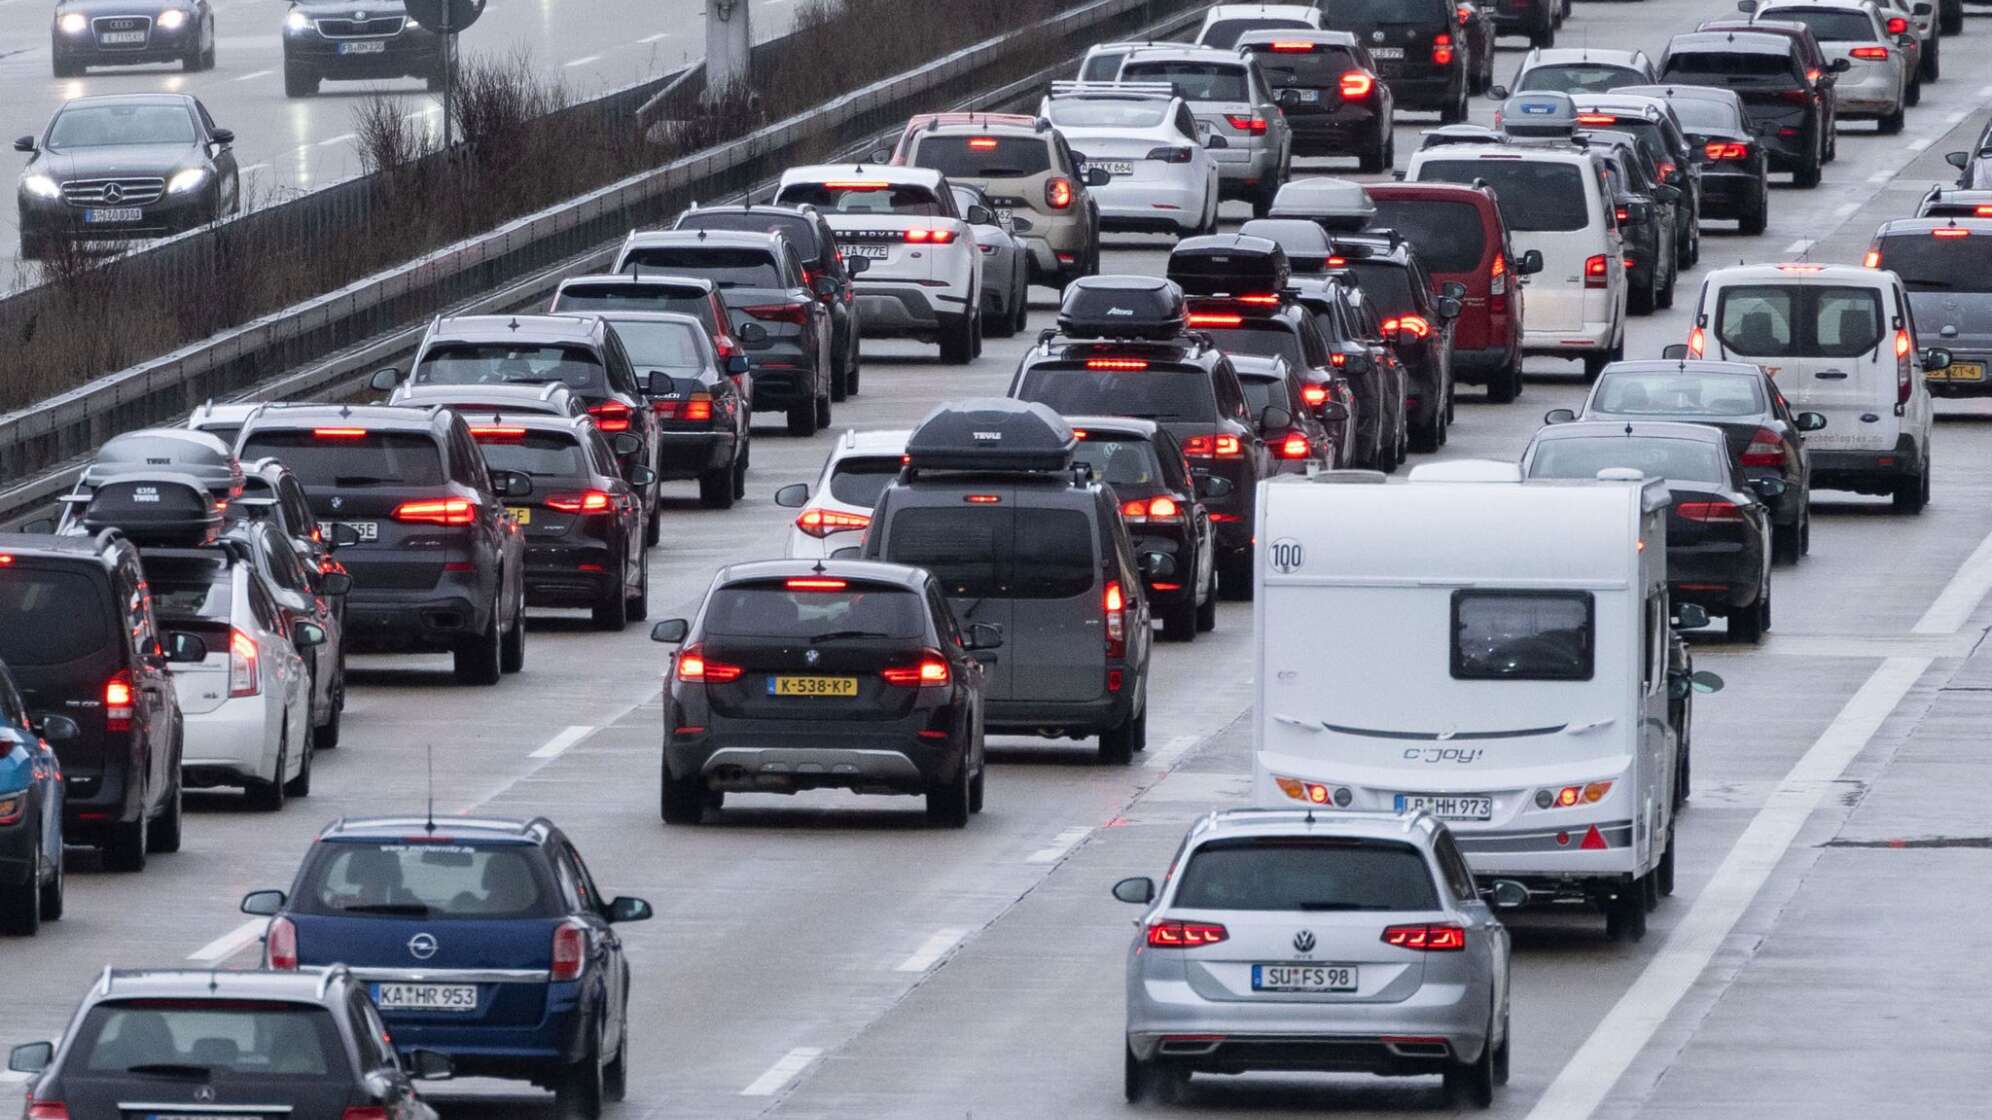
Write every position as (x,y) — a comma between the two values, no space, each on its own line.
(437,564)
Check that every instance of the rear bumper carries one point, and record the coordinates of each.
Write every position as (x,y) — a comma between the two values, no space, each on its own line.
(1556,853)
(574,574)
(1475,366)
(527,1052)
(1065,717)
(788,756)
(411,621)
(1247,167)
(1954,389)
(1426,89)
(1334,134)
(229,745)
(682,455)
(896,309)
(1153,207)
(1168,1021)
(1730,196)
(1866,472)
(1720,575)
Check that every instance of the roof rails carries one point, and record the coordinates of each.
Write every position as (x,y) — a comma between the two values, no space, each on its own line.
(1130,90)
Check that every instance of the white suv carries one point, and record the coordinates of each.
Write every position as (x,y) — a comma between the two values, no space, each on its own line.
(837,510)
(925,275)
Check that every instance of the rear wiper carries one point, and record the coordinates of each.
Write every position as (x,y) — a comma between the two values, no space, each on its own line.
(409,909)
(834,635)
(170,1069)
(1343,906)
(360,480)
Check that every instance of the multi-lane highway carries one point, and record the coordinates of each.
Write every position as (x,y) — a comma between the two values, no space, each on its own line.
(304,143)
(826,956)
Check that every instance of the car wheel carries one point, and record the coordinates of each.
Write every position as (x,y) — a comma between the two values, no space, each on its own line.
(580,1092)
(1504,385)
(1913,96)
(1501,1056)
(21,905)
(1235,578)
(637,607)
(1785,542)
(1747,624)
(653,524)
(716,488)
(64,68)
(1932,66)
(1473,1082)
(1454,111)
(823,412)
(191,61)
(1625,913)
(1118,745)
(975,787)
(51,891)
(1152,1081)
(268,797)
(1373,160)
(1663,876)
(478,657)
(610,610)
(162,837)
(1594,364)
(802,419)
(958,340)
(947,805)
(300,786)
(512,648)
(1754,219)
(1950,21)
(1887,126)
(1805,530)
(328,732)
(1639,300)
(1179,623)
(683,800)
(126,849)
(740,474)
(207,53)
(1911,494)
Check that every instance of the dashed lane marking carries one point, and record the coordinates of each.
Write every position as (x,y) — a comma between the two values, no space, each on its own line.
(782,1072)
(558,745)
(931,950)
(1060,844)
(230,943)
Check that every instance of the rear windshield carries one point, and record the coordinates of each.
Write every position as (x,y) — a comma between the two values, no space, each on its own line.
(988,550)
(444,879)
(1305,874)
(263,1039)
(1724,64)
(1225,32)
(859,481)
(1267,339)
(50,615)
(801,232)
(1678,394)
(1928,263)
(1319,68)
(336,459)
(772,610)
(1194,81)
(728,268)
(1832,24)
(1387,285)
(1262,393)
(1344,15)
(1580,77)
(632,297)
(1535,196)
(499,363)
(1183,396)
(190,591)
(864,198)
(1702,115)
(1088,113)
(539,454)
(1121,460)
(1448,235)
(1799,320)
(984,157)
(652,345)
(1100,68)
(1680,460)
(1522,635)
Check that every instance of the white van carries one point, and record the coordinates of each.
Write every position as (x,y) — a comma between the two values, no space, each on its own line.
(1840,341)
(1557,201)
(1420,649)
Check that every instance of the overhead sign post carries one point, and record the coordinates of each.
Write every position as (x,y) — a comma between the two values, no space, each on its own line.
(447,18)
(729,45)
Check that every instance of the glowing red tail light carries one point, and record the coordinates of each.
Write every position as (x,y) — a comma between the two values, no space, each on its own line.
(1213,447)
(1058,193)
(1147,511)
(1215,319)
(1295,446)
(1253,125)
(795,313)
(1696,342)
(487,434)
(1124,365)
(982,144)
(1709,512)
(1497,286)
(1898,25)
(1315,395)
(1414,325)
(588,501)
(338,433)
(1766,449)
(1596,272)
(1357,85)
(1596,118)
(1464,12)
(1115,602)
(1871,259)
(921,235)
(696,408)
(1622,214)
(1173,934)
(1950,231)
(570,951)
(931,672)
(280,945)
(1440,938)
(244,665)
(820,523)
(45,1110)
(365,1112)
(1871,54)
(610,416)
(1442,49)
(694,668)
(437,511)
(117,702)
(1718,149)
(1905,381)
(1292,47)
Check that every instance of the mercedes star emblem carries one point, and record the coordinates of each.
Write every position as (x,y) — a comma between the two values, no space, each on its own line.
(422,946)
(204,1094)
(811,656)
(1304,941)
(1376,36)
(113,193)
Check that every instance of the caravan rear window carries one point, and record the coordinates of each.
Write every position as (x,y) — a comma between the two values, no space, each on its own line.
(1523,635)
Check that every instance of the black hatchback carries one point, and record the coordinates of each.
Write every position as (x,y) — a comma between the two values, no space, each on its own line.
(1417,322)
(800,675)
(1161,504)
(1340,105)
(1418,47)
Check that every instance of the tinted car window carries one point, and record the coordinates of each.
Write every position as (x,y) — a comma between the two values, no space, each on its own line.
(1183,396)
(1054,555)
(867,198)
(1535,196)
(1578,77)
(1679,460)
(771,610)
(1120,462)
(1699,114)
(1319,68)
(1264,340)
(1448,235)
(454,363)
(1262,393)
(1194,81)
(1832,24)
(1522,635)
(103,126)
(1109,114)
(1678,394)
(49,616)
(728,268)
(604,297)
(1344,14)
(1388,285)
(1929,263)
(203,592)
(959,546)
(373,459)
(1101,67)
(431,880)
(1301,874)
(800,231)
(983,157)
(859,481)
(1717,64)
(662,345)
(540,454)
(254,1039)
(1773,320)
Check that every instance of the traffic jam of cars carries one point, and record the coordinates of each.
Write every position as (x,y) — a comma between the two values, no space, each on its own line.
(1192,389)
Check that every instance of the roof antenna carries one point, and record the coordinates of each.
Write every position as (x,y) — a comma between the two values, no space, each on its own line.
(1310,813)
(818,569)
(430,825)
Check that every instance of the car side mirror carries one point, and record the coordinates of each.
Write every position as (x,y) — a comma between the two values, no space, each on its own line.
(1559,416)
(639,474)
(335,584)
(1021,225)
(848,553)
(1275,417)
(308,635)
(427,1065)
(1921,10)
(1936,358)
(737,364)
(1289,99)
(223,136)
(1746,6)
(671,631)
(855,265)
(58,729)
(979,215)
(24,144)
(1704,681)
(31,1057)
(511,484)
(39,525)
(881,155)
(1211,486)
(1905,40)
(183,648)
(753,336)
(1139,890)
(1448,307)
(1638,211)
(982,636)
(626,909)
(1156,565)
(264,904)
(793,496)
(1959,160)
(344,536)
(626,443)
(1767,488)
(1675,178)
(1098,177)
(826,286)
(659,384)
(1216,141)
(1334,412)
(1841,65)
(384,380)
(1497,93)
(1809,421)
(1690,616)
(1678,352)
(1453,289)
(1530,264)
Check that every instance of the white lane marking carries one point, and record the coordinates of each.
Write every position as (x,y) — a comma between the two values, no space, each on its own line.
(782,1072)
(1882,176)
(1957,117)
(931,950)
(1954,604)
(654,38)
(329,141)
(1060,844)
(230,943)
(558,745)
(583,60)
(1797,247)
(253,75)
(1846,210)
(1168,753)
(1920,143)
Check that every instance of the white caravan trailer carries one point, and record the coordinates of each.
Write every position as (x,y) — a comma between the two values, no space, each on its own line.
(1490,650)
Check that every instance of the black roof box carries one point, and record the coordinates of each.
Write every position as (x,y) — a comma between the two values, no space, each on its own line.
(184,451)
(1229,264)
(1122,307)
(992,434)
(155,508)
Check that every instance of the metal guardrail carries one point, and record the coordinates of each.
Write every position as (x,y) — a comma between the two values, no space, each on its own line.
(512,266)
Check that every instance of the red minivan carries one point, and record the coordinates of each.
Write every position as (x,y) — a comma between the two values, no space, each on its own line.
(1459,234)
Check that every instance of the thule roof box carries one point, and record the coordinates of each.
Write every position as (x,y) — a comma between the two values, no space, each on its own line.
(1229,264)
(163,508)
(1144,307)
(201,455)
(1461,134)
(1337,204)
(1539,113)
(991,434)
